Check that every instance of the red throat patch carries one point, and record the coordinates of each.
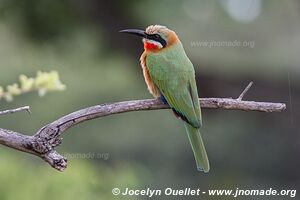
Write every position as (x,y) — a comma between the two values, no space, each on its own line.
(150,46)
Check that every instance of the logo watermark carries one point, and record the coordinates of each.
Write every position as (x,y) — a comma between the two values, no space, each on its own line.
(223,44)
(148,192)
(88,155)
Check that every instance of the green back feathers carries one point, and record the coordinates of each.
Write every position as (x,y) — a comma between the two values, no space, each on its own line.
(173,73)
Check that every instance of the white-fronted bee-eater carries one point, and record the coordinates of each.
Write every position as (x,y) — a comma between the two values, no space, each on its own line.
(170,76)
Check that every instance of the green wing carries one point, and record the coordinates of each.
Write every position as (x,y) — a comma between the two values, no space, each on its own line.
(174,75)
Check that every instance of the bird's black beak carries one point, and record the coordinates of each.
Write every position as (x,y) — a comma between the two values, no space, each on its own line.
(143,34)
(140,33)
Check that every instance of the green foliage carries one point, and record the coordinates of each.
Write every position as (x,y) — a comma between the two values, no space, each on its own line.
(43,83)
(31,179)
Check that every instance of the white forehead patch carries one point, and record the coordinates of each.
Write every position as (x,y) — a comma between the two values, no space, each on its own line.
(152,29)
(153,42)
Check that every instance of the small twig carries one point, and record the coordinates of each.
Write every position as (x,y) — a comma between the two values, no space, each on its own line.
(11,111)
(245,91)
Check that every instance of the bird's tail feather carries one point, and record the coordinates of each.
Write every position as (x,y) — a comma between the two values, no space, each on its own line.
(198,148)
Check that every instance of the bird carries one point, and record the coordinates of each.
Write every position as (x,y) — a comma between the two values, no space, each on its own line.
(170,77)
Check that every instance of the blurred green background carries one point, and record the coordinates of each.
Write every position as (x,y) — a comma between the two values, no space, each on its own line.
(80,39)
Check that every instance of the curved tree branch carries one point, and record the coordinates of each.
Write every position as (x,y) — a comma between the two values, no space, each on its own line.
(44,141)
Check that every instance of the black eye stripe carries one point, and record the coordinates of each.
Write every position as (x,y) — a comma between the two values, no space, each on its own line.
(157,38)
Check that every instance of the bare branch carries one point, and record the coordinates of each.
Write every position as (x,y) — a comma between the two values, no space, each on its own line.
(11,111)
(44,141)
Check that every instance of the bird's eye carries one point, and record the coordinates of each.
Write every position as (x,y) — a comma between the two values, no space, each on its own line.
(156,35)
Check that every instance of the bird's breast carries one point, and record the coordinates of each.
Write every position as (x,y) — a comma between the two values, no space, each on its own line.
(153,89)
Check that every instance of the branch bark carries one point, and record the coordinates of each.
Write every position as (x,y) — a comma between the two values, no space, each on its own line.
(44,141)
